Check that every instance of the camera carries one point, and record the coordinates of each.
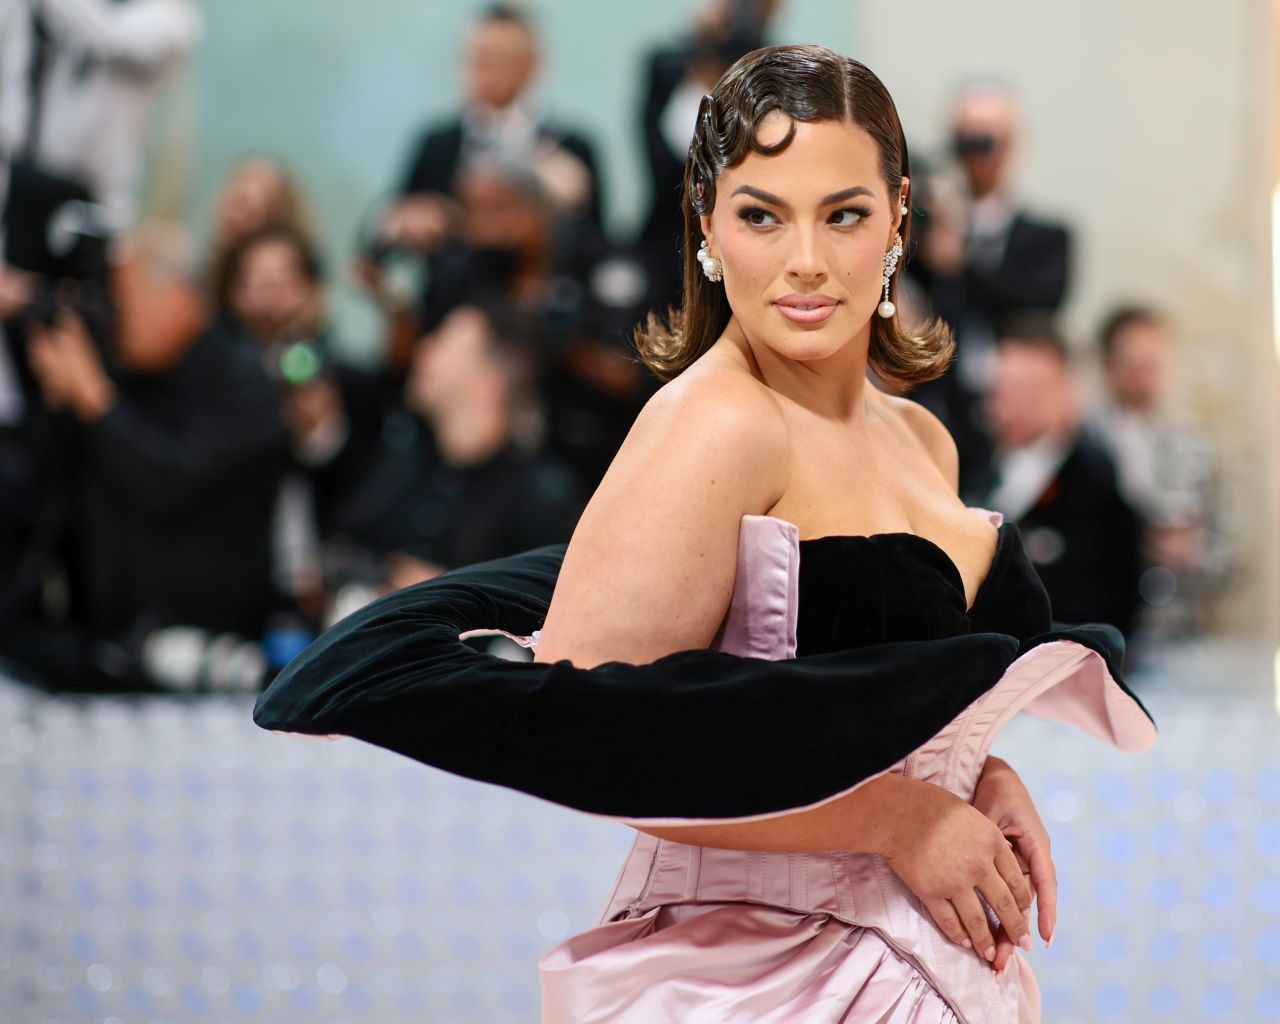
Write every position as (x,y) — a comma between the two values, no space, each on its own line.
(295,364)
(973,144)
(55,231)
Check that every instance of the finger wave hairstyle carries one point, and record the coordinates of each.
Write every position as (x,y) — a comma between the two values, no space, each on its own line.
(806,83)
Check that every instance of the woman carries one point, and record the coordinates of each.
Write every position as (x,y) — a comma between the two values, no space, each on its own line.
(776,582)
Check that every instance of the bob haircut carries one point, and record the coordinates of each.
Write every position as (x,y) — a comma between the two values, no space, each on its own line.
(806,83)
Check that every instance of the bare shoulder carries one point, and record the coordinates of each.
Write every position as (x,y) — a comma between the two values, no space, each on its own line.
(932,434)
(651,565)
(719,402)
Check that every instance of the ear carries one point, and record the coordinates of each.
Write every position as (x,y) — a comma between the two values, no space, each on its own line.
(704,222)
(903,199)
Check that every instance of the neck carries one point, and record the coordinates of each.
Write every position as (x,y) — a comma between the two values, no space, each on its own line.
(834,387)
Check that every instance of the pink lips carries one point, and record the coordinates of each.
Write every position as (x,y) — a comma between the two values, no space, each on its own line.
(806,309)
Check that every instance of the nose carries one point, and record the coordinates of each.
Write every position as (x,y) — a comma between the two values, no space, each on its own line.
(805,261)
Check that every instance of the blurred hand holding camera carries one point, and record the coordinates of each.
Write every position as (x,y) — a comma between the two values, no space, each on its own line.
(316,420)
(419,221)
(66,364)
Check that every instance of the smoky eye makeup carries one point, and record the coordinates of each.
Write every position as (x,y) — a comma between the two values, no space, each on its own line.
(849,216)
(845,217)
(757,216)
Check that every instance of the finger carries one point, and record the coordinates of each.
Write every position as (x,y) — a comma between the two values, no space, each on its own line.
(1044,879)
(1011,873)
(944,915)
(1004,951)
(39,351)
(1000,899)
(974,918)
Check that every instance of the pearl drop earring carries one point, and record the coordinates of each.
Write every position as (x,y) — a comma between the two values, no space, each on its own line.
(886,308)
(712,269)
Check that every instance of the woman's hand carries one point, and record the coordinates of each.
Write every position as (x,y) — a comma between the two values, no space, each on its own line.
(948,853)
(1003,799)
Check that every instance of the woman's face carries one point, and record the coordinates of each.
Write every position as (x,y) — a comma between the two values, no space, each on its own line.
(802,236)
(272,295)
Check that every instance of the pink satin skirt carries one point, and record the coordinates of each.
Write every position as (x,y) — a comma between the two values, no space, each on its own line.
(704,962)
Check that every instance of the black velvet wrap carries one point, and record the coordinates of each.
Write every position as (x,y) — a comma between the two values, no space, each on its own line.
(697,734)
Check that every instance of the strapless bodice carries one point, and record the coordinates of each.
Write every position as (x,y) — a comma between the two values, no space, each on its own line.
(888,587)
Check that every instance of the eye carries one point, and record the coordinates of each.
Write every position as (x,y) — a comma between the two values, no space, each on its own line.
(758,217)
(849,216)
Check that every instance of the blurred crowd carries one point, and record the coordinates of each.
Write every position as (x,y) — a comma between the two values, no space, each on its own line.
(193,483)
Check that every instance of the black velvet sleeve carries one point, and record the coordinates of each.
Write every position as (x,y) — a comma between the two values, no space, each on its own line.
(698,734)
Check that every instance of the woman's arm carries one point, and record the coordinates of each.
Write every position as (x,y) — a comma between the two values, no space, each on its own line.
(945,850)
(650,571)
(650,567)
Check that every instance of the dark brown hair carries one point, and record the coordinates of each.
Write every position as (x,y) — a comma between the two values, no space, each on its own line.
(1033,328)
(232,263)
(806,83)
(1121,319)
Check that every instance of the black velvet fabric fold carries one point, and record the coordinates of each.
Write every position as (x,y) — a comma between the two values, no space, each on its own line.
(697,734)
(887,587)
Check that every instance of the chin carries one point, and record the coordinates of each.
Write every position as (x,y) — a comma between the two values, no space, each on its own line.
(810,345)
(814,341)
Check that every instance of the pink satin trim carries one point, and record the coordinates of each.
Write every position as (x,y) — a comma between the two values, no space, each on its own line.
(765,606)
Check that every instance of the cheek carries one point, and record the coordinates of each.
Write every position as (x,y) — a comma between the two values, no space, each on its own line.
(862,267)
(749,260)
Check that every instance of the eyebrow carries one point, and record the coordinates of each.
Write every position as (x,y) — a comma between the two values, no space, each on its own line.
(771,199)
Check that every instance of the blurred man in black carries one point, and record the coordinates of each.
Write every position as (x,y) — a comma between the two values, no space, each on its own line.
(174,449)
(983,258)
(460,477)
(1058,485)
(676,77)
(1168,468)
(500,119)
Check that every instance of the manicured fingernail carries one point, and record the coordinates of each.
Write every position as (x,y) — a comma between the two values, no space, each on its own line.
(968,943)
(1005,969)
(1049,943)
(1025,941)
(990,954)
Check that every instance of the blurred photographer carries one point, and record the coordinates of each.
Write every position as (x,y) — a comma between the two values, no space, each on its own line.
(676,77)
(501,120)
(1168,467)
(177,444)
(983,259)
(271,294)
(78,80)
(460,476)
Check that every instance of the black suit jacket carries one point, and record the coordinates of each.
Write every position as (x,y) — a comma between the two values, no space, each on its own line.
(1084,541)
(1033,273)
(176,498)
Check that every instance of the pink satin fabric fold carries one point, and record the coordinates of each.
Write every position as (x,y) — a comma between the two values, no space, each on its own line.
(695,934)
